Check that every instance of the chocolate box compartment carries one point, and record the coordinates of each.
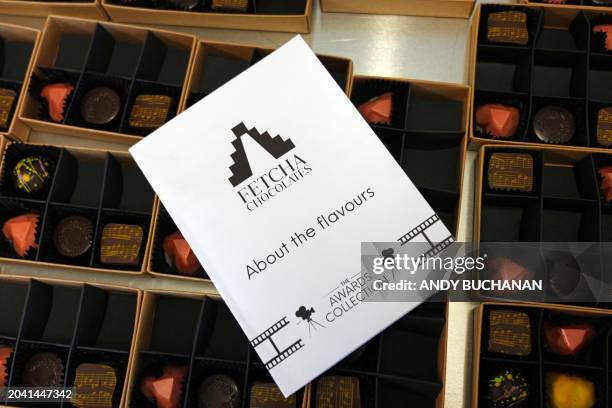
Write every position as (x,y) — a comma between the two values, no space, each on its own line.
(55,213)
(600,73)
(570,181)
(141,87)
(509,219)
(51,313)
(577,107)
(117,360)
(606,223)
(570,220)
(105,54)
(430,112)
(214,65)
(559,74)
(367,389)
(203,368)
(366,89)
(263,15)
(13,298)
(562,32)
(172,335)
(80,177)
(391,393)
(501,69)
(518,100)
(10,208)
(392,139)
(125,187)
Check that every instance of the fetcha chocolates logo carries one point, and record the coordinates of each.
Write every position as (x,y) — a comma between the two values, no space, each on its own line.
(290,168)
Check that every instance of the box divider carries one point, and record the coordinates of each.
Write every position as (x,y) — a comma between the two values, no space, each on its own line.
(196,340)
(94,242)
(43,216)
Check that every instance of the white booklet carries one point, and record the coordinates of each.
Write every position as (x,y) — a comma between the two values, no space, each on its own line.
(275,180)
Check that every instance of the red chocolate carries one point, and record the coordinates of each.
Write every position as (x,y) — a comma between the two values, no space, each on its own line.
(501,121)
(21,232)
(5,353)
(606,182)
(568,340)
(378,109)
(56,96)
(166,390)
(606,29)
(177,248)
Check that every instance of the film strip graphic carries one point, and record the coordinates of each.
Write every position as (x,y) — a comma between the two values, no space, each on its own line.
(280,354)
(421,230)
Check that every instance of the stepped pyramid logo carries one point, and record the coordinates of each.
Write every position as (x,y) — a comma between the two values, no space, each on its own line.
(275,146)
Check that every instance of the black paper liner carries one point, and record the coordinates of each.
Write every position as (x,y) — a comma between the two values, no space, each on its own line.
(419,338)
(15,152)
(92,80)
(594,108)
(175,5)
(137,3)
(371,88)
(533,19)
(108,216)
(394,392)
(502,69)
(597,378)
(280,7)
(575,106)
(559,74)
(203,368)
(598,39)
(55,214)
(195,97)
(592,354)
(577,33)
(510,218)
(116,360)
(141,87)
(12,208)
(152,364)
(367,387)
(27,350)
(164,227)
(365,358)
(125,187)
(537,173)
(207,7)
(534,325)
(445,204)
(220,336)
(43,76)
(15,86)
(570,220)
(392,139)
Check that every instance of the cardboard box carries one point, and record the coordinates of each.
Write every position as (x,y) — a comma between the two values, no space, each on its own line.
(104,186)
(81,323)
(540,361)
(565,204)
(215,63)
(406,363)
(434,8)
(264,15)
(130,60)
(208,340)
(82,9)
(563,64)
(587,5)
(19,45)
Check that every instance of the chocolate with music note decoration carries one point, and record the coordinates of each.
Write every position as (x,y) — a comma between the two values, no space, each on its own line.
(509,333)
(338,391)
(121,244)
(508,27)
(511,171)
(94,386)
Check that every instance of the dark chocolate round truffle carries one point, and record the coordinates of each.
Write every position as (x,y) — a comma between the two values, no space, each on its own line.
(30,174)
(219,391)
(100,105)
(72,236)
(554,124)
(43,370)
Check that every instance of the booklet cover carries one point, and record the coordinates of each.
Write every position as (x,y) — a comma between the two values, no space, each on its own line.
(275,180)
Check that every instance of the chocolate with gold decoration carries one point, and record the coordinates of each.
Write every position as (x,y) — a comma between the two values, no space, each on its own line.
(508,27)
(7,101)
(510,333)
(267,395)
(150,111)
(241,6)
(94,386)
(31,173)
(510,171)
(121,244)
(338,391)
